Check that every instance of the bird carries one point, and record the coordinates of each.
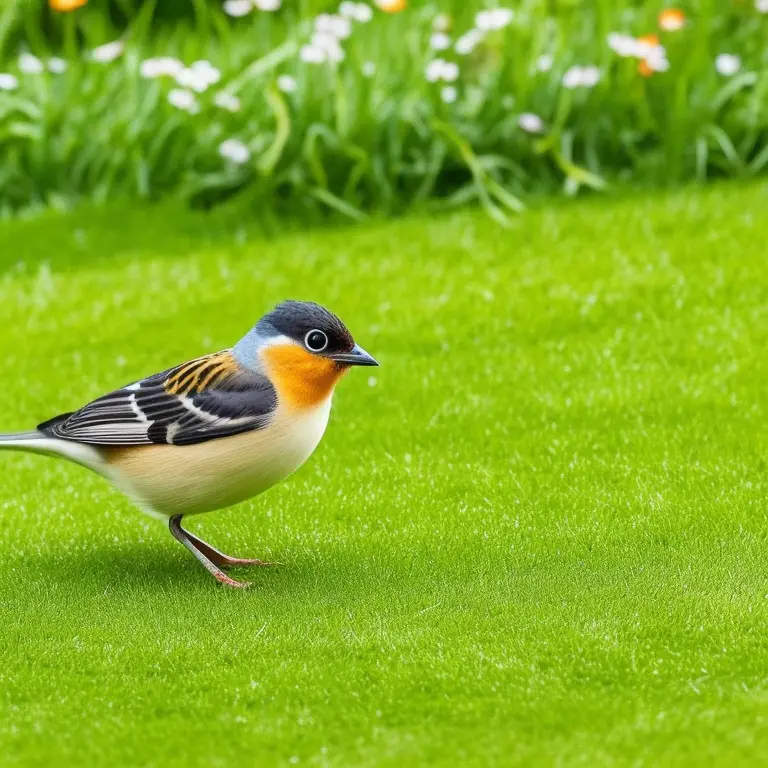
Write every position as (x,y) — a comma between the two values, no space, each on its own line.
(214,431)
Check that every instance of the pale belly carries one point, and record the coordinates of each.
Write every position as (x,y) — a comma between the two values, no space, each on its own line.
(167,480)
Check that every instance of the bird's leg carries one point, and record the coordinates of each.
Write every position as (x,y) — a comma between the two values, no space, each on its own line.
(178,533)
(219,558)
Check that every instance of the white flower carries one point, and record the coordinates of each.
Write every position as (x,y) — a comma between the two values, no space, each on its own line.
(8,82)
(625,45)
(368,69)
(439,41)
(727,64)
(439,69)
(360,12)
(643,49)
(338,26)
(235,150)
(468,42)
(544,62)
(441,22)
(584,77)
(530,123)
(761,6)
(448,94)
(237,8)
(108,52)
(199,77)
(227,101)
(590,76)
(164,66)
(56,65)
(183,99)
(206,71)
(364,13)
(657,59)
(311,54)
(329,45)
(30,65)
(497,18)
(268,5)
(286,83)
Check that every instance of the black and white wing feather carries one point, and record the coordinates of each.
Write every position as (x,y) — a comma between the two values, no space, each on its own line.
(202,400)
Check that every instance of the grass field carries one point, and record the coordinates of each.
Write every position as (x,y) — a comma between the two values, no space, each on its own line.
(537,534)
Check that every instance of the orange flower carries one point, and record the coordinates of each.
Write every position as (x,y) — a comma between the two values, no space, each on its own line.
(391,6)
(650,40)
(671,20)
(66,5)
(644,68)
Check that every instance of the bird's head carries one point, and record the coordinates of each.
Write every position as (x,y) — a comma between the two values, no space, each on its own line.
(304,349)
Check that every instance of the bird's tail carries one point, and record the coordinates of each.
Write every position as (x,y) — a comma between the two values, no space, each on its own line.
(24,441)
(38,442)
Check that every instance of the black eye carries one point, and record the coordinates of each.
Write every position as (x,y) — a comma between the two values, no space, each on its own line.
(316,341)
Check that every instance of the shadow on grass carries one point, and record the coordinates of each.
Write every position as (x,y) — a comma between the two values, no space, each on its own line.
(324,572)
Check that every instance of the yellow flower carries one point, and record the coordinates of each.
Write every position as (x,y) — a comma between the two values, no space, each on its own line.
(64,6)
(671,20)
(391,6)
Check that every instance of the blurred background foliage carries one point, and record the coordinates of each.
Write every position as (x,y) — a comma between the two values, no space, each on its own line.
(373,132)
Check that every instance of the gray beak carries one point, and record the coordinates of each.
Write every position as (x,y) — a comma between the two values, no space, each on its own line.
(358,356)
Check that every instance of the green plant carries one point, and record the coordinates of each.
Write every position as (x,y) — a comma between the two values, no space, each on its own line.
(370,134)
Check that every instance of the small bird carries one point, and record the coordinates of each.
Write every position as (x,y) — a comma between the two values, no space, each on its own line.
(215,431)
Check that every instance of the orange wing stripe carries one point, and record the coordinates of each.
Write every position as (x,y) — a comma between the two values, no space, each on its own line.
(199,374)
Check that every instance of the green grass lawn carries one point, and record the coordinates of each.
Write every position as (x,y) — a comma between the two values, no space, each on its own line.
(537,533)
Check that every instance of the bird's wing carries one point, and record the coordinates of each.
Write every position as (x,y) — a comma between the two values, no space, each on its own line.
(207,398)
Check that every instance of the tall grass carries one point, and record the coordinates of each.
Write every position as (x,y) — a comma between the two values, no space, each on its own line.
(359,143)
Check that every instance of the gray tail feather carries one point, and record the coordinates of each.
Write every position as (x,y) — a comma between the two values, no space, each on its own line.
(24,441)
(20,437)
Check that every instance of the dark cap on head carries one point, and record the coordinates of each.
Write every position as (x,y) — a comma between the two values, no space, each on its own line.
(295,319)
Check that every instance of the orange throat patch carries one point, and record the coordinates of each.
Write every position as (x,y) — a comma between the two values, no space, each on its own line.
(302,380)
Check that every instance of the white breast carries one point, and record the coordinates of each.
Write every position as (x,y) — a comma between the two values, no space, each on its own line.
(169,480)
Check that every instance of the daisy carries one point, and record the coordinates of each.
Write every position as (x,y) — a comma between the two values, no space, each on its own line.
(530,123)
(623,45)
(497,18)
(286,84)
(544,62)
(727,64)
(235,150)
(227,101)
(312,54)
(338,26)
(8,82)
(237,8)
(469,41)
(448,94)
(581,77)
(108,52)
(56,65)
(439,41)
(30,65)
(439,69)
(183,99)
(164,66)
(441,22)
